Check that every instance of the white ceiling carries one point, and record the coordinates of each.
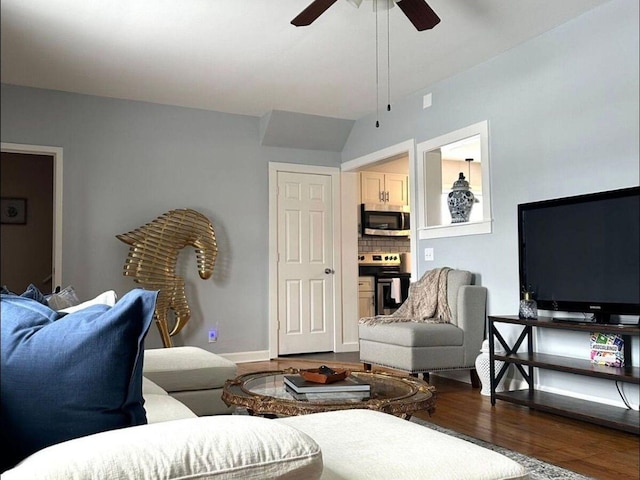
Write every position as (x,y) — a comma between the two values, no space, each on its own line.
(243,56)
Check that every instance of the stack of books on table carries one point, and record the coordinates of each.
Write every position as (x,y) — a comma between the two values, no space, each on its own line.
(299,385)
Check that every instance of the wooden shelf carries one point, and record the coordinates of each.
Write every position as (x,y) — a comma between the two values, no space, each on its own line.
(598,413)
(569,324)
(578,366)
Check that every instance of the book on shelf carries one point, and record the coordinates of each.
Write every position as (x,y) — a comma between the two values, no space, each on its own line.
(349,384)
(607,349)
(330,397)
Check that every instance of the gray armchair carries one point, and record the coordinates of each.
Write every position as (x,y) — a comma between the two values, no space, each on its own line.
(420,347)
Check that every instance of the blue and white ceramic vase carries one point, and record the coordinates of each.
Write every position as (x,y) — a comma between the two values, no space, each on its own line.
(483,368)
(460,200)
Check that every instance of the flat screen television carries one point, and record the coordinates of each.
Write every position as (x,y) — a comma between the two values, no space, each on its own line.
(582,253)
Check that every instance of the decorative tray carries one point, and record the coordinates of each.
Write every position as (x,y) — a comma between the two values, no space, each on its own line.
(323,375)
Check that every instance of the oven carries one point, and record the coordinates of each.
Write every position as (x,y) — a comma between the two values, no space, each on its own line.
(391,285)
(391,292)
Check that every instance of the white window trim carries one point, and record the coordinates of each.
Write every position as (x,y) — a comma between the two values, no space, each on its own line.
(458,229)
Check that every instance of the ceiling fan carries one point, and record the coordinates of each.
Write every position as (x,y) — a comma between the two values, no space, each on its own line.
(417,11)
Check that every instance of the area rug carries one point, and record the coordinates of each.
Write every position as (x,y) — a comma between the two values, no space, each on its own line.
(538,470)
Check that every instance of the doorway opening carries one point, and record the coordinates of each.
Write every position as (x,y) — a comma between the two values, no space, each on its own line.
(386,161)
(32,173)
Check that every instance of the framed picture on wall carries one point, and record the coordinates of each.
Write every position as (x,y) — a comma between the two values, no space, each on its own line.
(13,210)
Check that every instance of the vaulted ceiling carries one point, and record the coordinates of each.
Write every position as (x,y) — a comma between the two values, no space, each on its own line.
(245,57)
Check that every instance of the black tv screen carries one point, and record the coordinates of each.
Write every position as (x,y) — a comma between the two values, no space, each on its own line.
(582,253)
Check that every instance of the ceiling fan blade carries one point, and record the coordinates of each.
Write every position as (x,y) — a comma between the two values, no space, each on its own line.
(420,14)
(312,12)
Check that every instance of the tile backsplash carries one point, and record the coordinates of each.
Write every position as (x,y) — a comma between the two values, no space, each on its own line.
(384,244)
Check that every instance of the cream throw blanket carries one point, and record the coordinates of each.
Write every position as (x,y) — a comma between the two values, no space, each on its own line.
(426,302)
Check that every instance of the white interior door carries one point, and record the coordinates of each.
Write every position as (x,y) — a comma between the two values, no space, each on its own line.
(306,279)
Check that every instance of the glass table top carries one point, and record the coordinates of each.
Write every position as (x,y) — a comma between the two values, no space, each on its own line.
(265,393)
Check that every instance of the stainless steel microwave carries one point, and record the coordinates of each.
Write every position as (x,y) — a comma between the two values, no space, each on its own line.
(385,220)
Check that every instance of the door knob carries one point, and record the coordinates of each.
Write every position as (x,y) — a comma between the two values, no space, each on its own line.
(328,271)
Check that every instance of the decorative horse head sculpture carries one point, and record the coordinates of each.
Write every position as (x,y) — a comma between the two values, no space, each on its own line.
(152,259)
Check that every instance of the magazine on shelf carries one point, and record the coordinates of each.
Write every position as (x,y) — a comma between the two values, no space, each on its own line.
(349,384)
(607,349)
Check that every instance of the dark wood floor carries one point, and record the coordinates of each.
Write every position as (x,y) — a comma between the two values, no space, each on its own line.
(588,449)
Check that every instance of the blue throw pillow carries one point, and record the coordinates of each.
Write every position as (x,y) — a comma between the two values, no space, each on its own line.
(69,375)
(31,292)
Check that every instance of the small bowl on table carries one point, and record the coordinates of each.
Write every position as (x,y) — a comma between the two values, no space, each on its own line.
(316,375)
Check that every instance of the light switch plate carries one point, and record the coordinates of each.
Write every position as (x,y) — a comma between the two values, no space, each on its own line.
(428,254)
(426,101)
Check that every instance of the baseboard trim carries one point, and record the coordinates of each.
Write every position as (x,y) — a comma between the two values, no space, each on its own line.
(245,357)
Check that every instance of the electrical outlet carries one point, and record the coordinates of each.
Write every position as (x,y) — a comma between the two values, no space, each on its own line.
(428,254)
(213,335)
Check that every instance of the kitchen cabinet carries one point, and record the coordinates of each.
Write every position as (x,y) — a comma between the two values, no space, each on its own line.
(384,188)
(366,297)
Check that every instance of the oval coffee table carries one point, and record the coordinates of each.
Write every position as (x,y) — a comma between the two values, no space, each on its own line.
(264,393)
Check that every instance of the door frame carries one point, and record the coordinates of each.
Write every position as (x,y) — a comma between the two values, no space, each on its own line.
(56,153)
(350,184)
(334,173)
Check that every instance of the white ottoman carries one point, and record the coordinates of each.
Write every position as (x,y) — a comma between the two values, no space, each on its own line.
(191,375)
(370,445)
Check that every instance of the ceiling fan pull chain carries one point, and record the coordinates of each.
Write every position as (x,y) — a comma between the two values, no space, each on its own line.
(388,62)
(375,6)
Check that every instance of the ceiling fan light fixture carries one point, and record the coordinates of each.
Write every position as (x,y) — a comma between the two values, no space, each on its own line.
(383,5)
(417,11)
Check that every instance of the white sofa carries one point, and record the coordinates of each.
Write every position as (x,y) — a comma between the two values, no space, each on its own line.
(191,375)
(68,375)
(177,444)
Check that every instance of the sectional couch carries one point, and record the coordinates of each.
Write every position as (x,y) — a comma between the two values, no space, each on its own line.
(177,444)
(76,405)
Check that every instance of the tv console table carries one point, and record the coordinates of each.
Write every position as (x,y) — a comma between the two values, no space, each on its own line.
(601,414)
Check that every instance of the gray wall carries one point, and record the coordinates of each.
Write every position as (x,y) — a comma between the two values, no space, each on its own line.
(125,163)
(563,120)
